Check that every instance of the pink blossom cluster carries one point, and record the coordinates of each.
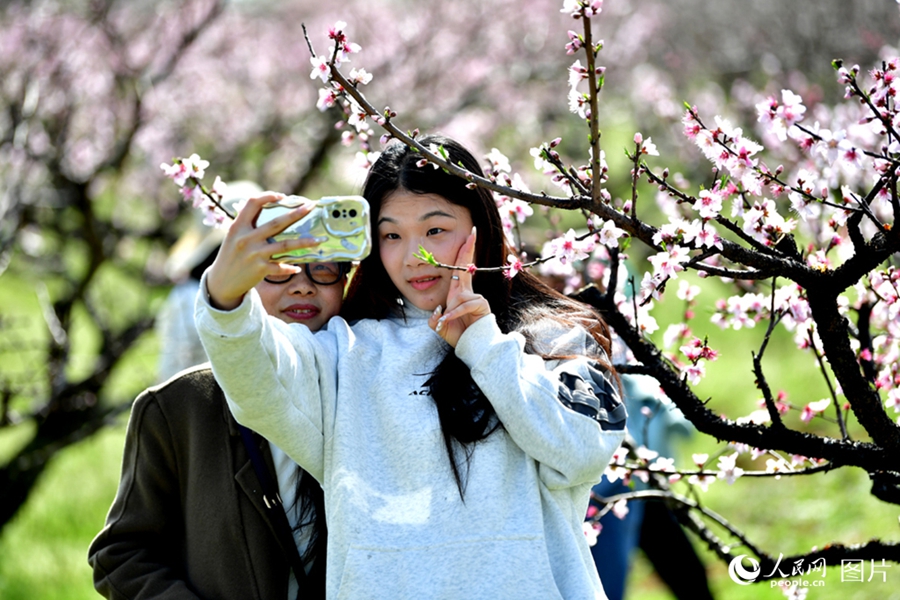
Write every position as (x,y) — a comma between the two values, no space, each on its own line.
(693,353)
(616,470)
(883,91)
(813,409)
(701,480)
(514,266)
(513,212)
(639,314)
(548,161)
(731,152)
(696,351)
(570,247)
(746,310)
(820,190)
(334,94)
(343,48)
(572,275)
(560,254)
(808,412)
(187,174)
(881,294)
(582,8)
(645,146)
(731,463)
(579,101)
(781,116)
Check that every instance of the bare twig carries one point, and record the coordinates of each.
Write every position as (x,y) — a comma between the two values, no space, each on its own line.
(761,382)
(594,87)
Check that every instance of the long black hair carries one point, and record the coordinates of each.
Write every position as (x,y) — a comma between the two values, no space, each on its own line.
(309,509)
(519,304)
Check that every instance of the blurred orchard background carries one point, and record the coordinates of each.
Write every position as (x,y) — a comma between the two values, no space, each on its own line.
(95,94)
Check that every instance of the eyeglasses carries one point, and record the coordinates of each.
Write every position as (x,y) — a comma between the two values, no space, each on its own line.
(321,273)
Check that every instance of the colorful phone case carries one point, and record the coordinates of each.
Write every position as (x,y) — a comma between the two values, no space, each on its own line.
(342,220)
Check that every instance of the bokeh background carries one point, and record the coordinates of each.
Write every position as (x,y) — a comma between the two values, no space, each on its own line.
(95,94)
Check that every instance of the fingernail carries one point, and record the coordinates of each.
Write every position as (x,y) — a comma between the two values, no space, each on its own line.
(321,239)
(473,230)
(440,324)
(438,310)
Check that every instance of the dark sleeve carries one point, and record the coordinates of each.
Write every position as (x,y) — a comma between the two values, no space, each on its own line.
(138,554)
(592,394)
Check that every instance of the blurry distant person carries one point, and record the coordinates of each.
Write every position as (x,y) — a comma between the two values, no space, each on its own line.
(653,421)
(205,508)
(195,250)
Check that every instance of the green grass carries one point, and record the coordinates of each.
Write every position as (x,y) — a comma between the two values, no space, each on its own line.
(44,548)
(790,517)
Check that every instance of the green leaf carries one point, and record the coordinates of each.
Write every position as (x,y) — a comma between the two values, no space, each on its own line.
(425,255)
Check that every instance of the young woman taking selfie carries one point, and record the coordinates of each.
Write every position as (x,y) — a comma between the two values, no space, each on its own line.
(455,421)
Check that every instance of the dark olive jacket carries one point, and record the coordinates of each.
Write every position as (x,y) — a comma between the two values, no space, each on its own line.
(188,520)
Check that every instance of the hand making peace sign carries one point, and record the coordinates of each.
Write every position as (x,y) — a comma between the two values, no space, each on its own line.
(464,306)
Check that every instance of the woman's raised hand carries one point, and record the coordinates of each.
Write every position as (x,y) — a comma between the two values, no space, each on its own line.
(245,256)
(464,306)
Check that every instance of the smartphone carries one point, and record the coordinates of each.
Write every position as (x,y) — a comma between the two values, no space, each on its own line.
(342,221)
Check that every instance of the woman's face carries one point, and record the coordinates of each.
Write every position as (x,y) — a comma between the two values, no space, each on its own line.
(408,220)
(300,300)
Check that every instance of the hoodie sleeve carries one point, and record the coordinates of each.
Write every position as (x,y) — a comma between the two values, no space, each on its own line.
(567,415)
(279,379)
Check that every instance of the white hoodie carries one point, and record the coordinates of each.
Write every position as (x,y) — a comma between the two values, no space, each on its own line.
(349,404)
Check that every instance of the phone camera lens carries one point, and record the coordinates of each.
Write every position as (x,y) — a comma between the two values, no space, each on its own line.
(352,212)
(336,214)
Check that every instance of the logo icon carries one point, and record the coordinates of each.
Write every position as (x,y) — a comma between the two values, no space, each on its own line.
(739,574)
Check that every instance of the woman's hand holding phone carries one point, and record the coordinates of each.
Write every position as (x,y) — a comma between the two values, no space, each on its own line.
(245,256)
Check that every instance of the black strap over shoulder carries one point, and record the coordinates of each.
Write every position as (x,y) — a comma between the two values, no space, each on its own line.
(275,507)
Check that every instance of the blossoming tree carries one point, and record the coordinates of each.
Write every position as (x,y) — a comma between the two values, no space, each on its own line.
(800,223)
(807,246)
(94,94)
